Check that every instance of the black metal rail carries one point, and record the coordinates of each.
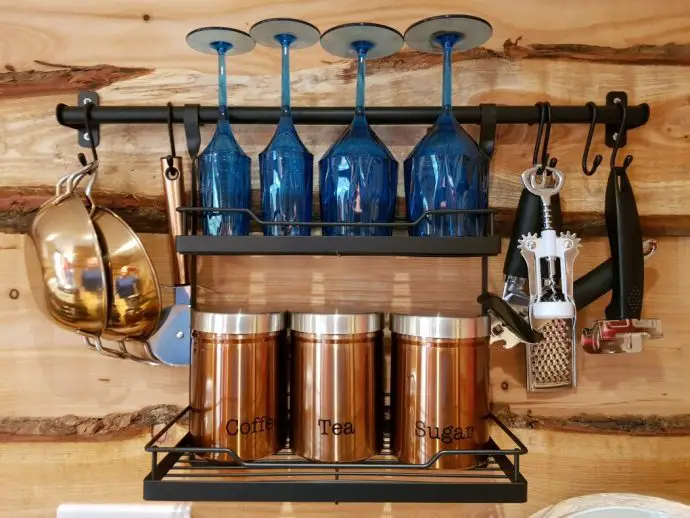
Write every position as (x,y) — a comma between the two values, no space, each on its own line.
(181,475)
(73,116)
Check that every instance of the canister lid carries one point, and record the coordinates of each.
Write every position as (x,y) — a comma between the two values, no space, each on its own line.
(237,323)
(450,328)
(336,323)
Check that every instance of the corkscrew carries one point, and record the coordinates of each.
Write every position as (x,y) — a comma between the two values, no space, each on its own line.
(550,257)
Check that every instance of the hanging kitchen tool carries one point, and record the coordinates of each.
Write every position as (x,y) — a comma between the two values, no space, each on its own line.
(550,296)
(133,293)
(551,362)
(623,330)
(171,342)
(64,261)
(599,281)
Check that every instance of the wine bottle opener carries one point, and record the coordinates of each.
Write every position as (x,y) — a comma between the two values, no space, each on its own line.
(551,361)
(551,297)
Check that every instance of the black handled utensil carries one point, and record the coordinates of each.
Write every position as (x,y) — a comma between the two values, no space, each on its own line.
(623,331)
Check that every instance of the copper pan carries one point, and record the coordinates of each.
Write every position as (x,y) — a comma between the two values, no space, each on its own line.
(135,296)
(64,261)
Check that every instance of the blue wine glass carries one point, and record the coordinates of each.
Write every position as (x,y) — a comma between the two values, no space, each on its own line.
(286,166)
(224,168)
(447,169)
(358,175)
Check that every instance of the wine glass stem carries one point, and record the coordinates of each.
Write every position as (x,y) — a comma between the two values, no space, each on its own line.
(221,48)
(361,74)
(285,41)
(447,95)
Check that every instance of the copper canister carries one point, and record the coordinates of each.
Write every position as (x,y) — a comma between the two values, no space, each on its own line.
(440,380)
(336,396)
(237,383)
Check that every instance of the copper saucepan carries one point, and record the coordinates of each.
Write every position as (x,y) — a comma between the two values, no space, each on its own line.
(117,296)
(134,295)
(64,261)
(135,302)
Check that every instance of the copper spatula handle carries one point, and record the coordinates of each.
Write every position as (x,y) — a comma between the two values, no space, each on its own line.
(173,186)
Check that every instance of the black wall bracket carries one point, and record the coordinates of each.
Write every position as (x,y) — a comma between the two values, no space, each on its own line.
(84,98)
(613,129)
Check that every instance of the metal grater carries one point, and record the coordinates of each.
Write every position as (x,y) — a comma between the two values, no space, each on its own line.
(551,363)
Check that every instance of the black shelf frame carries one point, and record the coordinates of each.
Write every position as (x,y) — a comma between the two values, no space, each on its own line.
(180,475)
(340,246)
(487,244)
(177,475)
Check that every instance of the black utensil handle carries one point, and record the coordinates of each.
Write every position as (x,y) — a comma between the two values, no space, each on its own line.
(593,284)
(511,318)
(527,221)
(625,240)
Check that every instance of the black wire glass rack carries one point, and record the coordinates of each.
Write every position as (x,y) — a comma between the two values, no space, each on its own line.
(179,473)
(487,243)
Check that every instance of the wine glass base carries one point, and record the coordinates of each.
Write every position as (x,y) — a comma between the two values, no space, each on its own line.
(202,40)
(474,32)
(385,40)
(265,32)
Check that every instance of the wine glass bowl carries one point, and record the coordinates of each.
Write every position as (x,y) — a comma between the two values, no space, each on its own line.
(447,170)
(224,168)
(358,174)
(286,166)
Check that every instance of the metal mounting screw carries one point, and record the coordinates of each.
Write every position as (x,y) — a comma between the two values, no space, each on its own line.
(179,335)
(531,245)
(568,245)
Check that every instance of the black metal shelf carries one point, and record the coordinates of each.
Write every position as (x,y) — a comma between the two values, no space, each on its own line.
(182,475)
(340,246)
(396,245)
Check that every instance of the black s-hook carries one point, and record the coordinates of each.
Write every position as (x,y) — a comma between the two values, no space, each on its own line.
(89,135)
(544,119)
(628,159)
(588,144)
(171,172)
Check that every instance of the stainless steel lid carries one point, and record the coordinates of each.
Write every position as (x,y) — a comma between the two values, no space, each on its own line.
(336,323)
(451,328)
(237,323)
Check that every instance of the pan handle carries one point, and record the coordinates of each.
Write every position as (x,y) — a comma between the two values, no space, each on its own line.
(173,186)
(94,342)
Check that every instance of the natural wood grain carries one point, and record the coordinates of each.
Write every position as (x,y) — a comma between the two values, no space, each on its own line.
(629,387)
(145,213)
(72,427)
(560,51)
(32,140)
(61,79)
(37,477)
(18,207)
(119,32)
(648,425)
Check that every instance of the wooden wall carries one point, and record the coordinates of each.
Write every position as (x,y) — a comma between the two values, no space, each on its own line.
(73,425)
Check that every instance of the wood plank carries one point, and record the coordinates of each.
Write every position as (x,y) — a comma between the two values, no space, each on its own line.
(61,79)
(33,142)
(636,391)
(37,477)
(152,34)
(144,213)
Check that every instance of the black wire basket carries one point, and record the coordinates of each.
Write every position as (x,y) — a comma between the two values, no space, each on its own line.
(179,473)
